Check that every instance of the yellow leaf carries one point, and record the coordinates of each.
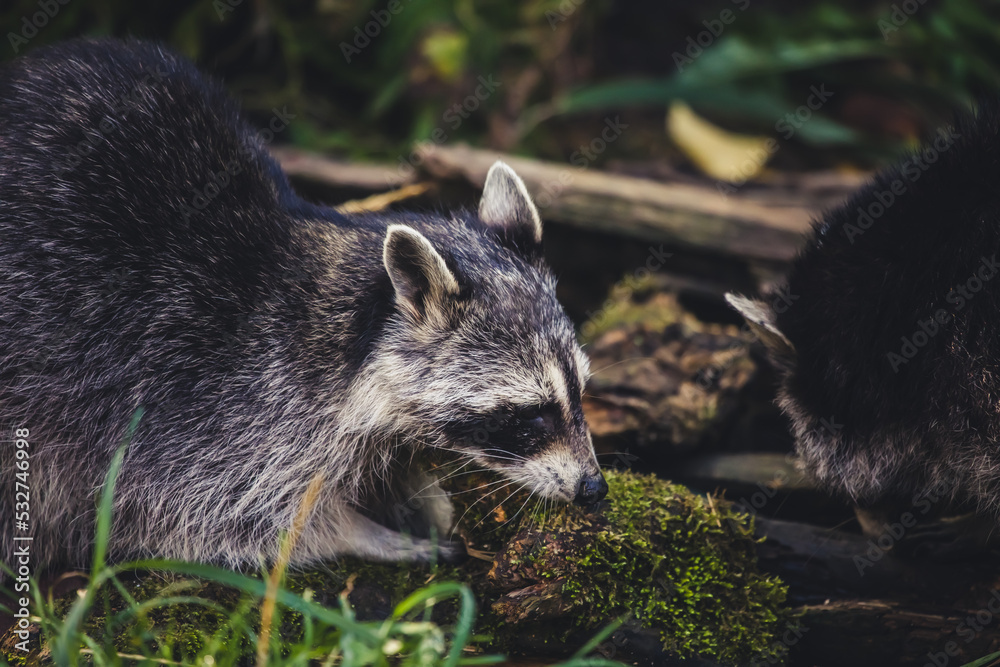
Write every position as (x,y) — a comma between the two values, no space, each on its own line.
(723,155)
(446,51)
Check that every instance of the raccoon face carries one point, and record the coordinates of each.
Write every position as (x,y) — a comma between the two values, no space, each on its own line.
(482,356)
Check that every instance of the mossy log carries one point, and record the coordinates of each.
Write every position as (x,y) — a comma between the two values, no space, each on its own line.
(664,383)
(679,564)
(679,567)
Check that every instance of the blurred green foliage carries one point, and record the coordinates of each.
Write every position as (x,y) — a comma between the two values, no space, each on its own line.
(762,65)
(366,79)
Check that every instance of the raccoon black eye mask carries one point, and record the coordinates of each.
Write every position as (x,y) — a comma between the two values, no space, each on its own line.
(269,340)
(887,333)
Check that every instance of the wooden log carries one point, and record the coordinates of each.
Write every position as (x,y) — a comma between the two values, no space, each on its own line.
(339,174)
(677,213)
(884,632)
(822,561)
(747,224)
(777,471)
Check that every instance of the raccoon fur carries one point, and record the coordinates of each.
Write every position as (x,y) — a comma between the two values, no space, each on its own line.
(153,254)
(887,333)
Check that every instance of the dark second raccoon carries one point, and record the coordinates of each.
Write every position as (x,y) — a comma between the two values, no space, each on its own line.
(888,330)
(153,254)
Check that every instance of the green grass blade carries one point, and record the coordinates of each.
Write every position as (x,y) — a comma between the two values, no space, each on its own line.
(985,660)
(597,639)
(466,613)
(106,507)
(257,587)
(65,649)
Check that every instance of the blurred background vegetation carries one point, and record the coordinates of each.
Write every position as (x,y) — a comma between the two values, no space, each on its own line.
(365,82)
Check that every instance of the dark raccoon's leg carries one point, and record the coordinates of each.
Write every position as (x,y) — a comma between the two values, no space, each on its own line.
(939,536)
(346,532)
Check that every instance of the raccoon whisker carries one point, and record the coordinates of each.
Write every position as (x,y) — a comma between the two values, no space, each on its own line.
(451,475)
(617,363)
(484,485)
(448,476)
(523,505)
(502,458)
(512,457)
(507,454)
(457,523)
(478,488)
(540,504)
(497,506)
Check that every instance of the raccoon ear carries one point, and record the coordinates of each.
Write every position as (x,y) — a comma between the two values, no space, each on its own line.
(506,206)
(422,280)
(761,320)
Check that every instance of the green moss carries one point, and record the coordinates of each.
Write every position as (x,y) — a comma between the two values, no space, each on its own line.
(675,562)
(179,631)
(633,302)
(14,658)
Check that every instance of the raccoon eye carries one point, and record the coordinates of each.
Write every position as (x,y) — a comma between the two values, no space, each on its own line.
(530,413)
(538,416)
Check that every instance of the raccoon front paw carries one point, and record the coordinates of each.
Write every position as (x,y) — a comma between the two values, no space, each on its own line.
(452,552)
(433,503)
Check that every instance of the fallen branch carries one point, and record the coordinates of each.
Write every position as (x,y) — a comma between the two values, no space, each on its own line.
(746,225)
(384,200)
(683,214)
(316,167)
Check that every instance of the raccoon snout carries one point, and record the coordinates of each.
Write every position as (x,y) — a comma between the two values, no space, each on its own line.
(592,490)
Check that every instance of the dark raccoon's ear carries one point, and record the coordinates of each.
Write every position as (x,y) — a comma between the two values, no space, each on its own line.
(507,208)
(761,320)
(422,280)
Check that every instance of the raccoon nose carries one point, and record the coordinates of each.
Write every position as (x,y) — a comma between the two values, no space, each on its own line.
(592,489)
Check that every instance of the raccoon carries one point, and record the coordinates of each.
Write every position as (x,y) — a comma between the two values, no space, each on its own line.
(153,254)
(887,335)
